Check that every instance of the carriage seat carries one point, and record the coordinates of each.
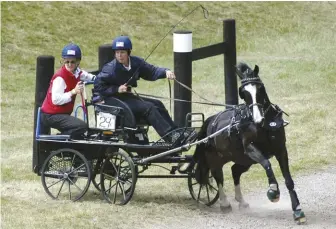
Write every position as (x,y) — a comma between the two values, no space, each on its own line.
(130,119)
(39,135)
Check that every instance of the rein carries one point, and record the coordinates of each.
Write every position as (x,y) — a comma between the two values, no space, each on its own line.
(180,100)
(210,102)
(277,108)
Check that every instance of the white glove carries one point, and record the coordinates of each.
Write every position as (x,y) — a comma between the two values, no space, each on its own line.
(170,75)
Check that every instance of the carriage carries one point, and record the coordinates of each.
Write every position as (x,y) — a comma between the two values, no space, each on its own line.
(116,152)
(113,155)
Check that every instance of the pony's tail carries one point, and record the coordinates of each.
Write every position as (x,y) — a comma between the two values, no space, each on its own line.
(202,168)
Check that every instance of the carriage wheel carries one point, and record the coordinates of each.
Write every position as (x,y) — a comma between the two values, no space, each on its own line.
(206,194)
(96,165)
(118,178)
(66,174)
(131,155)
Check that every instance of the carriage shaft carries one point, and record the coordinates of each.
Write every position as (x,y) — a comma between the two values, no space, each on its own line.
(163,176)
(185,147)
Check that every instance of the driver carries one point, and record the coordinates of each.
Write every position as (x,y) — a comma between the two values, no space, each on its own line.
(123,72)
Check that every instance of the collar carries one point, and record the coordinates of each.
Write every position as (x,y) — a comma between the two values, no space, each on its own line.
(77,72)
(129,64)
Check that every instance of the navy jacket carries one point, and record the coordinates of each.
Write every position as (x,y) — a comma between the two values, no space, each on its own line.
(115,74)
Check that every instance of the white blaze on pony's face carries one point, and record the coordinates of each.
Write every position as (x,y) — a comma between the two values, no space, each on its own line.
(252,89)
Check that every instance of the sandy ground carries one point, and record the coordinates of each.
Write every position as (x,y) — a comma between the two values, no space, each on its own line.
(317,194)
(160,205)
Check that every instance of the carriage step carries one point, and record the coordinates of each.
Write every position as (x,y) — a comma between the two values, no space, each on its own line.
(54,137)
(173,169)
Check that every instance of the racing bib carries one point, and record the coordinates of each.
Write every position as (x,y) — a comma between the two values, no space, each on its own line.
(105,121)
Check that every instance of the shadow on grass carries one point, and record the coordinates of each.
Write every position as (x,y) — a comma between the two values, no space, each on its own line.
(141,199)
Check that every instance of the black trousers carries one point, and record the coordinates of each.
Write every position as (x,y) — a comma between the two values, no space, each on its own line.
(66,124)
(152,110)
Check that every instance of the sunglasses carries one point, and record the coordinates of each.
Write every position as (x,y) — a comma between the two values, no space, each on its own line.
(69,62)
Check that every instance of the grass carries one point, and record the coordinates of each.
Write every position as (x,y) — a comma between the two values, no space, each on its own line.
(292,42)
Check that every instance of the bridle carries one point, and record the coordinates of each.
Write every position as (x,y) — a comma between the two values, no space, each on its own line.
(266,106)
(252,80)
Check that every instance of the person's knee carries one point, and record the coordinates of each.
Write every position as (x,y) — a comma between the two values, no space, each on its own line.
(150,108)
(159,104)
(81,126)
(44,120)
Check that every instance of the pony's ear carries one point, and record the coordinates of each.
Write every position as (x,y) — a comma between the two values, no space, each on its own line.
(239,73)
(256,70)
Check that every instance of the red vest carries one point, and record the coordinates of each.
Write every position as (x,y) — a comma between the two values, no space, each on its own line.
(71,82)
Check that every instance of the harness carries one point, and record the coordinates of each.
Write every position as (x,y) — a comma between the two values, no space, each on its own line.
(240,118)
(274,122)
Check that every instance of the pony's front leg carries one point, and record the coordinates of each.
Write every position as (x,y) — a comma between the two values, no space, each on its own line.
(273,192)
(224,204)
(298,214)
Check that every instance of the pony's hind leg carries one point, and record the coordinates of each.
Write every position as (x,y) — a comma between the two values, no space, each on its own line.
(225,205)
(273,192)
(237,170)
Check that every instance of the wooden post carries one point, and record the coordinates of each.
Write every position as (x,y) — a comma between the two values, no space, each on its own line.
(44,72)
(183,71)
(230,61)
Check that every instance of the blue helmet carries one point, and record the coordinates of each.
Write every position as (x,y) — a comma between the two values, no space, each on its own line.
(72,51)
(122,43)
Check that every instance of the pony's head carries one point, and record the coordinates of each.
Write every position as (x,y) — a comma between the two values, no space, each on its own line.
(252,91)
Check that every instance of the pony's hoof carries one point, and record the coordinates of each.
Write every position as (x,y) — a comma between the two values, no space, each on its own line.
(243,206)
(299,217)
(226,209)
(273,196)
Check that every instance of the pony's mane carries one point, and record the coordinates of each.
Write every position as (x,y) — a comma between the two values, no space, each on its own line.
(244,68)
(248,75)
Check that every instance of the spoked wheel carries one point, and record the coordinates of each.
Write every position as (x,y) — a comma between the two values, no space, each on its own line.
(118,178)
(66,174)
(206,194)
(96,165)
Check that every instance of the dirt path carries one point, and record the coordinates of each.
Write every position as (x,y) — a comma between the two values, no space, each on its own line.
(317,193)
(157,204)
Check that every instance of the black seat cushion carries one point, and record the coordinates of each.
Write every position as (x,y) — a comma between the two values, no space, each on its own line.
(130,119)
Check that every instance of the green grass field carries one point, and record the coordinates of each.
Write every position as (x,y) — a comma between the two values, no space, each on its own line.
(292,42)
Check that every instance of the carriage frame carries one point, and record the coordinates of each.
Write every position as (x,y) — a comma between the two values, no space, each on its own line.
(113,160)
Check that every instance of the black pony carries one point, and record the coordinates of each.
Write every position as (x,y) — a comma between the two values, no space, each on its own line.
(252,133)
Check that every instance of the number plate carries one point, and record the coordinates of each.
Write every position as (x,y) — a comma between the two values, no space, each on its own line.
(106,121)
